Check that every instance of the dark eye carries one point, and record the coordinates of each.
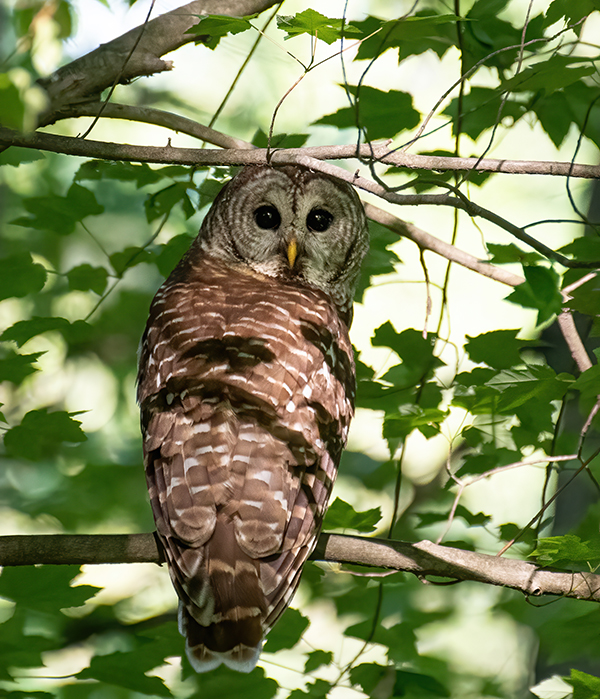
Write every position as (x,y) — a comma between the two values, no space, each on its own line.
(267,217)
(319,220)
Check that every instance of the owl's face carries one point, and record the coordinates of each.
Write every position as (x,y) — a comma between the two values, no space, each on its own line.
(291,223)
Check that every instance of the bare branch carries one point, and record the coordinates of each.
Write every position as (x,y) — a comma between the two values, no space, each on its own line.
(426,241)
(566,323)
(87,76)
(309,157)
(199,156)
(158,117)
(421,559)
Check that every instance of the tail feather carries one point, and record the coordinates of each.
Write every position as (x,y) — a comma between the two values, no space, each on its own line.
(222,608)
(207,647)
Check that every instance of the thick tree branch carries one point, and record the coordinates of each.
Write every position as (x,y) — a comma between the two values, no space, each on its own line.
(86,77)
(238,155)
(422,559)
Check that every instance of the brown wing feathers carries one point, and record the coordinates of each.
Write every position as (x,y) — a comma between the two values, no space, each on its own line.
(245,410)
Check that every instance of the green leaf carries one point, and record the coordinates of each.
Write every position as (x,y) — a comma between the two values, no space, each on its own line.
(314,23)
(426,519)
(87,278)
(540,291)
(287,633)
(589,381)
(379,259)
(400,639)
(555,115)
(169,254)
(141,173)
(40,434)
(12,108)
(20,275)
(124,670)
(319,689)
(316,659)
(215,27)
(499,349)
(381,114)
(571,11)
(130,257)
(222,682)
(584,686)
(16,156)
(17,367)
(506,254)
(44,588)
(279,140)
(480,110)
(342,515)
(411,35)
(413,417)
(160,203)
(586,248)
(549,75)
(567,548)
(415,684)
(368,675)
(22,331)
(517,386)
(416,352)
(60,214)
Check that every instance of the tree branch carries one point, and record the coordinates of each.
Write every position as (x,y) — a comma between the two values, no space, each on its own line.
(421,559)
(86,77)
(232,156)
(426,241)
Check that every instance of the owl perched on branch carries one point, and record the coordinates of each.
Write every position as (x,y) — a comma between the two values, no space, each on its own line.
(246,386)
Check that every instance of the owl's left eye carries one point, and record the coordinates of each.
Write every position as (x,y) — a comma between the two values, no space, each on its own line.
(319,220)
(267,217)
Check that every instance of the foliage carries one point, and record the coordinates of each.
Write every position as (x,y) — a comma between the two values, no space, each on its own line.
(472,413)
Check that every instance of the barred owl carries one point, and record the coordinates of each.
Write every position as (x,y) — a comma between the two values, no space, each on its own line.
(246,386)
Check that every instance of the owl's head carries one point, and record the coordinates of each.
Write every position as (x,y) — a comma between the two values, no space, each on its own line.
(292,223)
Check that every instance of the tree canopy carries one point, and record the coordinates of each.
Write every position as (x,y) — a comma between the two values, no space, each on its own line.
(459,552)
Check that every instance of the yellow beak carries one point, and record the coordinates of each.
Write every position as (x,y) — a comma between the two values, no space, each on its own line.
(292,252)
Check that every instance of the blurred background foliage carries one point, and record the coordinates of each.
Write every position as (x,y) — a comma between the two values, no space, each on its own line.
(459,376)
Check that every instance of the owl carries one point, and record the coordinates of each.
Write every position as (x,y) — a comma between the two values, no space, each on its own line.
(246,386)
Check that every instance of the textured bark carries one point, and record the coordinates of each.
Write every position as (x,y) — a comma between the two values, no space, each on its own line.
(421,559)
(137,52)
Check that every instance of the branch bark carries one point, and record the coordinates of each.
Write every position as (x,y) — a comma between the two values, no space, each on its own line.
(421,559)
(136,53)
(239,153)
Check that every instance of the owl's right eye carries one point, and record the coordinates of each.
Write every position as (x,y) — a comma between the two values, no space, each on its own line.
(267,217)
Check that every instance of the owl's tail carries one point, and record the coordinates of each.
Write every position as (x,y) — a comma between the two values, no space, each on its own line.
(223,621)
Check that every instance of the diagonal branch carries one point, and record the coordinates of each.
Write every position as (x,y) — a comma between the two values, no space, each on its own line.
(421,559)
(86,77)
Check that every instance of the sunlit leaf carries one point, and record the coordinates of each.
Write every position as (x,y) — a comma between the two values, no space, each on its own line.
(317,25)
(341,515)
(211,28)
